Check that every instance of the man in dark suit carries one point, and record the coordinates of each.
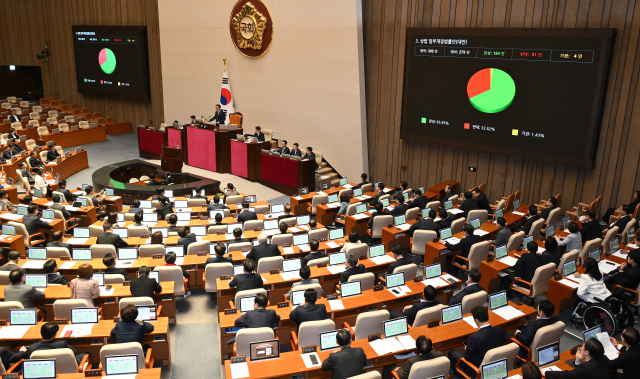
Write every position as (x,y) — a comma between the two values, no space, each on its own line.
(108,238)
(309,311)
(481,200)
(198,193)
(220,117)
(287,213)
(185,239)
(57,241)
(448,193)
(135,207)
(529,262)
(13,135)
(424,346)
(249,280)
(34,161)
(260,317)
(284,149)
(310,156)
(401,260)
(24,170)
(464,245)
(48,332)
(52,154)
(346,362)
(159,192)
(172,220)
(129,329)
(528,332)
(164,208)
(215,205)
(552,204)
(590,227)
(246,214)
(622,221)
(68,196)
(629,356)
(425,224)
(504,233)
(353,268)
(486,338)
(264,249)
(296,150)
(220,250)
(446,218)
(419,200)
(143,285)
(32,222)
(14,116)
(12,264)
(410,311)
(551,251)
(401,208)
(380,211)
(377,196)
(314,245)
(533,217)
(363,180)
(19,291)
(473,286)
(258,134)
(590,363)
(237,237)
(50,268)
(628,275)
(110,263)
(468,204)
(9,152)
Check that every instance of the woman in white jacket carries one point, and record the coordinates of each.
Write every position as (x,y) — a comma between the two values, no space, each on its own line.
(39,182)
(591,284)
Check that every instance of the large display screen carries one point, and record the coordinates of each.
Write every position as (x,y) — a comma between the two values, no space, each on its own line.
(529,93)
(112,60)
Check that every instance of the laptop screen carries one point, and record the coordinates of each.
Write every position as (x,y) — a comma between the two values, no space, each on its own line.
(516,205)
(198,230)
(551,230)
(526,241)
(83,201)
(122,232)
(376,251)
(163,231)
(567,221)
(99,277)
(451,314)
(548,354)
(297,297)
(264,350)
(181,203)
(22,210)
(614,245)
(237,270)
(499,213)
(385,202)
(121,364)
(357,192)
(350,289)
(246,303)
(231,227)
(300,239)
(38,368)
(120,217)
(22,317)
(337,258)
(37,253)
(303,220)
(270,224)
(212,214)
(249,199)
(48,214)
(497,300)
(448,205)
(475,223)
(399,220)
(425,212)
(80,232)
(495,370)
(145,204)
(150,217)
(432,271)
(445,233)
(591,333)
(569,267)
(595,254)
(395,327)
(328,340)
(9,230)
(406,196)
(147,312)
(335,234)
(179,250)
(291,265)
(37,193)
(186,216)
(630,235)
(501,251)
(303,190)
(333,198)
(344,181)
(36,280)
(84,315)
(127,253)
(277,208)
(81,254)
(361,208)
(395,280)
(155,275)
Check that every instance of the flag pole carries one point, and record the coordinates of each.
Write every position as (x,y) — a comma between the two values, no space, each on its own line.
(224,60)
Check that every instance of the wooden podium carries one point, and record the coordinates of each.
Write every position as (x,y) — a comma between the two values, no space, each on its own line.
(171,159)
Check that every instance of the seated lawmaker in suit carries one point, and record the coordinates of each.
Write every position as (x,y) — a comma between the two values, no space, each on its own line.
(400,208)
(284,149)
(380,211)
(363,181)
(249,280)
(258,134)
(468,204)
(130,329)
(531,218)
(503,234)
(528,331)
(237,237)
(446,218)
(164,208)
(419,200)
(215,204)
(57,241)
(14,116)
(398,254)
(34,161)
(473,286)
(552,251)
(310,156)
(305,273)
(622,221)
(552,204)
(260,317)
(185,239)
(411,311)
(143,285)
(529,262)
(109,261)
(32,223)
(296,150)
(309,311)
(346,362)
(220,250)
(377,196)
(424,346)
(590,227)
(590,363)
(629,356)
(49,331)
(426,224)
(464,245)
(628,276)
(481,200)
(246,214)
(52,154)
(486,338)
(353,268)
(108,238)
(9,152)
(314,245)
(50,268)
(264,249)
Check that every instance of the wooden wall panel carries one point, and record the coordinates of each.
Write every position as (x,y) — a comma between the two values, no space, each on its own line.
(617,171)
(27,25)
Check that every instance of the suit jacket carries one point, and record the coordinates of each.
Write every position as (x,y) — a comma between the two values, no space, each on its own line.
(117,271)
(216,207)
(630,278)
(49,345)
(622,223)
(412,312)
(14,118)
(26,174)
(164,209)
(485,339)
(125,332)
(259,136)
(345,363)
(468,205)
(68,196)
(33,222)
(404,372)
(55,278)
(311,256)
(58,207)
(35,162)
(186,241)
(219,117)
(218,260)
(373,216)
(529,331)
(285,150)
(8,154)
(9,267)
(628,362)
(502,237)
(263,251)
(243,282)
(400,209)
(527,264)
(590,230)
(144,286)
(23,293)
(258,318)
(135,210)
(552,256)
(419,202)
(483,203)
(109,238)
(465,244)
(16,136)
(424,224)
(400,262)
(311,157)
(375,198)
(545,212)
(446,223)
(60,244)
(526,228)
(296,152)
(52,155)
(594,369)
(309,312)
(468,290)
(346,274)
(359,185)
(247,216)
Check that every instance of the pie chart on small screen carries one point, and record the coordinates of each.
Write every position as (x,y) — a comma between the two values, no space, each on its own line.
(107,60)
(491,90)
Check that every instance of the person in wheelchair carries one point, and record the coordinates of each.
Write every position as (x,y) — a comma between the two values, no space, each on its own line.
(591,288)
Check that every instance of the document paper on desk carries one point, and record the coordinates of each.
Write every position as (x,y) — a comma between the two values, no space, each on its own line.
(609,350)
(33,264)
(568,283)
(509,261)
(382,259)
(606,266)
(11,216)
(621,254)
(106,292)
(306,358)
(404,227)
(336,269)
(550,368)
(470,321)
(435,282)
(518,213)
(77,330)
(455,211)
(77,241)
(290,275)
(452,240)
(288,250)
(121,376)
(332,245)
(386,346)
(632,246)
(295,230)
(239,370)
(67,265)
(14,332)
(480,232)
(336,305)
(407,341)
(508,312)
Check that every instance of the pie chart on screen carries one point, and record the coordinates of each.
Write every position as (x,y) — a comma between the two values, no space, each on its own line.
(491,90)
(107,60)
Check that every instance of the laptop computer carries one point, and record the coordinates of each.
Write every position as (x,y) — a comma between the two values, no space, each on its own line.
(614,246)
(289,265)
(376,251)
(399,220)
(81,254)
(264,350)
(328,340)
(445,233)
(548,354)
(198,230)
(344,181)
(475,223)
(569,267)
(591,333)
(277,208)
(155,275)
(249,198)
(212,214)
(146,204)
(120,216)
(231,227)
(270,224)
(595,254)
(81,232)
(163,231)
(498,213)
(300,239)
(37,253)
(181,204)
(178,250)
(127,253)
(395,280)
(22,210)
(516,205)
(448,205)
(337,258)
(501,251)
(22,317)
(451,314)
(121,364)
(238,269)
(432,271)
(303,191)
(395,327)
(87,315)
(385,202)
(8,230)
(495,370)
(350,289)
(297,297)
(150,217)
(36,280)
(526,241)
(333,198)
(37,193)
(498,300)
(335,234)
(122,232)
(303,220)
(99,277)
(147,312)
(246,303)
(168,193)
(110,191)
(361,208)
(567,222)
(39,368)
(357,192)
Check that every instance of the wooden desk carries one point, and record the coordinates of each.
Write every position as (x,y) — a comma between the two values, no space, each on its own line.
(87,214)
(439,188)
(70,165)
(77,137)
(119,128)
(286,175)
(299,204)
(562,364)
(490,279)
(147,373)
(444,337)
(56,225)
(245,159)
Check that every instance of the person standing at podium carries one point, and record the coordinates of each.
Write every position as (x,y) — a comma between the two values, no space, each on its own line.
(284,149)
(258,134)
(219,117)
(296,150)
(310,156)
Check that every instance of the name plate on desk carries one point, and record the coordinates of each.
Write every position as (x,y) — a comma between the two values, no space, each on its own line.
(144,236)
(65,258)
(323,239)
(220,233)
(157,256)
(320,265)
(3,322)
(204,218)
(378,288)
(332,297)
(257,229)
(61,321)
(433,324)
(286,245)
(309,349)
(125,283)
(230,311)
(93,372)
(276,271)
(417,279)
(202,253)
(283,304)
(67,236)
(246,249)
(11,375)
(225,277)
(362,257)
(239,359)
(398,235)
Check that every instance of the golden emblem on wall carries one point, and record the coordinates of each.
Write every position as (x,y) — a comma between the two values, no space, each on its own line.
(251,28)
